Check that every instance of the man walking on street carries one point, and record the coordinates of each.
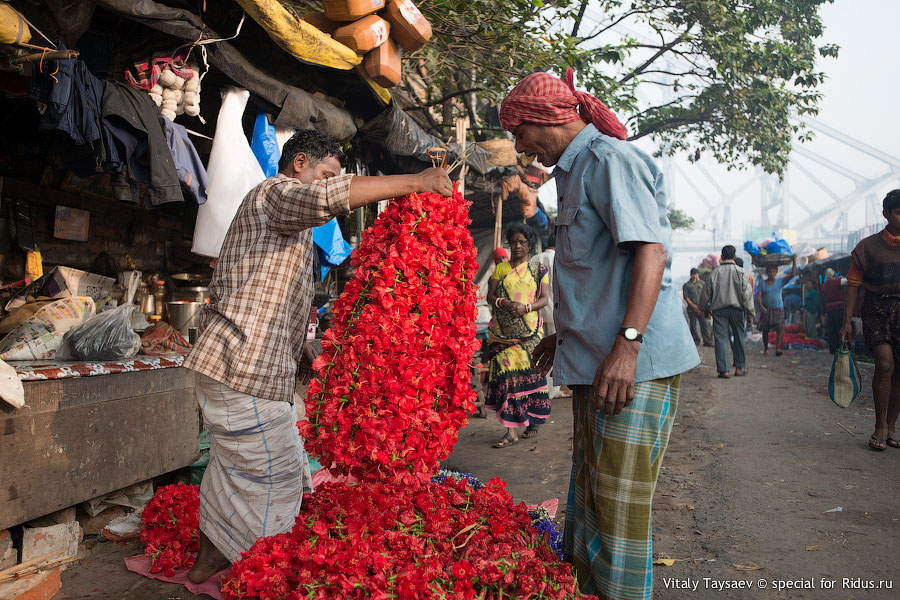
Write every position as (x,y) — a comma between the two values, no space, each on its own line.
(731,302)
(252,343)
(621,342)
(771,305)
(692,291)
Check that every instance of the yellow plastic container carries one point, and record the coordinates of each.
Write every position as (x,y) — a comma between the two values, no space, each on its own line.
(409,27)
(350,10)
(366,34)
(384,65)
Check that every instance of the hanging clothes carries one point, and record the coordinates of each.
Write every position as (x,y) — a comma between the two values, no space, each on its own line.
(69,99)
(135,122)
(188,165)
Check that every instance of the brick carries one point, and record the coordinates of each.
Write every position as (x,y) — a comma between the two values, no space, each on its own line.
(39,541)
(9,556)
(40,586)
(94,525)
(65,515)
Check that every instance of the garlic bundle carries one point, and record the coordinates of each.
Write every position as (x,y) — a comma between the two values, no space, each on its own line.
(176,95)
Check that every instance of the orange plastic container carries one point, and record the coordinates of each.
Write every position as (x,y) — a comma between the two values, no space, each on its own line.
(408,25)
(366,34)
(350,10)
(383,64)
(321,22)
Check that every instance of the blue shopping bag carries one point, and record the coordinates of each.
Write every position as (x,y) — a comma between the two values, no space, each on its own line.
(844,382)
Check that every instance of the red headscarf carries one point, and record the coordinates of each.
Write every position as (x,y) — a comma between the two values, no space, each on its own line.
(500,254)
(546,100)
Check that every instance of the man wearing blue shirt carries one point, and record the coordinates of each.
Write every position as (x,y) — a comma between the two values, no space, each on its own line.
(621,342)
(771,305)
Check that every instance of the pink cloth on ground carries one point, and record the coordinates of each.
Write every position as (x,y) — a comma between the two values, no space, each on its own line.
(141,565)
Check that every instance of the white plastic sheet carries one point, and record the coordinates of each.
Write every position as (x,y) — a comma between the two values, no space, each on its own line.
(233,171)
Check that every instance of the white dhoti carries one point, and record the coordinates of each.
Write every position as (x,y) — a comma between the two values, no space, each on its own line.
(258,470)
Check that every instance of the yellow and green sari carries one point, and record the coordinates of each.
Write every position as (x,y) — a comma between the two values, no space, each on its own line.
(515,390)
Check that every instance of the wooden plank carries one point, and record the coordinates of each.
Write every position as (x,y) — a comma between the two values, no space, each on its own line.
(77,439)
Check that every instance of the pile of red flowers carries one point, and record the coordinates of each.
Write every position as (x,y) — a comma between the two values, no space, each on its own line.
(170,528)
(381,540)
(393,386)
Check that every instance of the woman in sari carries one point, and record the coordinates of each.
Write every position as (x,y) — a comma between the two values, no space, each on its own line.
(517,291)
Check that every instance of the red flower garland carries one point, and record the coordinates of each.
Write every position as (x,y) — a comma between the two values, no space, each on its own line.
(380,540)
(394,382)
(170,528)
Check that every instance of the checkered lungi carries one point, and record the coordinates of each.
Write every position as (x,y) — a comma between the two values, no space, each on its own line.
(615,463)
(258,470)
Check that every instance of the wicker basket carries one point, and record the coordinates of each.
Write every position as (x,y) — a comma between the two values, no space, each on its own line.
(503,152)
(767,260)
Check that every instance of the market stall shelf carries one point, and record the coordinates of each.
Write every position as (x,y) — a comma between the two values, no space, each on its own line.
(82,437)
(39,370)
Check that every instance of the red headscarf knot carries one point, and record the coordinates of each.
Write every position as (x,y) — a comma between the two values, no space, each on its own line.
(547,100)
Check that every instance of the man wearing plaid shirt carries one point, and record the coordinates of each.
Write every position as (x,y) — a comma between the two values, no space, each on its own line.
(252,343)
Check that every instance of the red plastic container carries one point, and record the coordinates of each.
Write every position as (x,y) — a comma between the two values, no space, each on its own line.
(366,34)
(409,27)
(384,65)
(350,10)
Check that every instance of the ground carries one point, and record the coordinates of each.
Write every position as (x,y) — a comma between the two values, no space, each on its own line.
(752,475)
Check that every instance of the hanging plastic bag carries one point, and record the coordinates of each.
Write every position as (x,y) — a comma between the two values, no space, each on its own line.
(233,171)
(107,336)
(265,146)
(844,382)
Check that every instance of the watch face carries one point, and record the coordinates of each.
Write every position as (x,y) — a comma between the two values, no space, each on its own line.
(631,333)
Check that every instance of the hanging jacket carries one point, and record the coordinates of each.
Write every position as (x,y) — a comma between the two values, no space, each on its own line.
(188,165)
(144,148)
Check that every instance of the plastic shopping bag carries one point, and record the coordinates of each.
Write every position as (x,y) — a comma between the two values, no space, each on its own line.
(233,171)
(107,336)
(844,382)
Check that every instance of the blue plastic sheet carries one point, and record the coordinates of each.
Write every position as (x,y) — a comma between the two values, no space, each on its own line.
(331,246)
(264,145)
(779,246)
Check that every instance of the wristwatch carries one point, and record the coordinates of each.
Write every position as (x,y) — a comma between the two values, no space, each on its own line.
(631,334)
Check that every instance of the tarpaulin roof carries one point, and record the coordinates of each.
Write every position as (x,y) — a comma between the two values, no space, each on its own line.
(298,108)
(401,135)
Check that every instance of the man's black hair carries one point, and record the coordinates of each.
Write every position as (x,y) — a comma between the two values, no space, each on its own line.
(314,144)
(891,201)
(526,230)
(739,261)
(695,271)
(728,252)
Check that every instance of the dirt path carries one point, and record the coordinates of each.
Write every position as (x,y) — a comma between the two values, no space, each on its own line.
(753,466)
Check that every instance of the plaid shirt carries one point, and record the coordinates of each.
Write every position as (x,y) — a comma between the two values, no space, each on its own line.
(253,330)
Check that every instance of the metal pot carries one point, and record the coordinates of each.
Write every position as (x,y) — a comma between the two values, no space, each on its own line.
(184,316)
(191,294)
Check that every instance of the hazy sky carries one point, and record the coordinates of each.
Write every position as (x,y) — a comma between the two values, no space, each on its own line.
(861,98)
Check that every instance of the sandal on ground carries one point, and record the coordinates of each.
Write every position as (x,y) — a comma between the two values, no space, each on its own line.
(508,440)
(876,443)
(530,432)
(779,353)
(724,376)
(743,372)
(892,441)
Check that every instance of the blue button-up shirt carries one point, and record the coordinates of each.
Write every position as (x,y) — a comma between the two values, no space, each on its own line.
(611,193)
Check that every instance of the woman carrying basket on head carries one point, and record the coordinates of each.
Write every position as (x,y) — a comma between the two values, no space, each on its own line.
(517,291)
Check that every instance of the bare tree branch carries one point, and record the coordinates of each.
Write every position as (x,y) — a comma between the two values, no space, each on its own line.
(667,124)
(449,96)
(653,58)
(581,10)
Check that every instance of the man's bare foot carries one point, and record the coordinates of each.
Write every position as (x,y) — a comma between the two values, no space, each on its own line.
(766,351)
(209,562)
